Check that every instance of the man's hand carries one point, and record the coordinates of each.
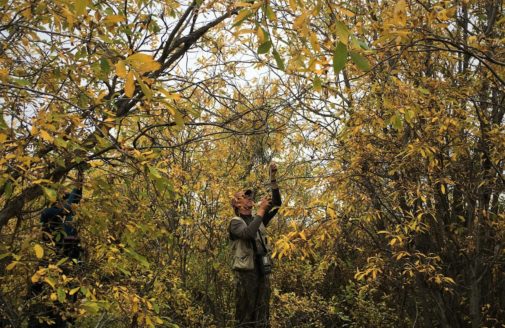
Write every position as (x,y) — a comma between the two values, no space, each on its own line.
(273,171)
(273,175)
(265,205)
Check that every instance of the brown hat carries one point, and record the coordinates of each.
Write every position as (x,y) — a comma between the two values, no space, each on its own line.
(241,194)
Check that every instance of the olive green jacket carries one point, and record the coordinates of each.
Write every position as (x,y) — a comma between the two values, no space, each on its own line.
(241,244)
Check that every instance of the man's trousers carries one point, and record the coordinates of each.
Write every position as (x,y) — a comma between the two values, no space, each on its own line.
(252,299)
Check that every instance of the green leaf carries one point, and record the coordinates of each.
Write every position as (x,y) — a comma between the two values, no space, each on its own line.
(178,118)
(61,295)
(423,91)
(58,141)
(270,13)
(339,57)
(153,172)
(264,47)
(363,45)
(50,194)
(105,65)
(342,31)
(360,61)
(2,256)
(91,306)
(409,116)
(317,83)
(7,190)
(63,260)
(125,272)
(141,259)
(164,184)
(3,124)
(396,121)
(278,60)
(21,82)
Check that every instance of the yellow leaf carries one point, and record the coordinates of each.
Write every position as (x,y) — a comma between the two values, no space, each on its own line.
(74,290)
(400,13)
(342,31)
(129,86)
(331,212)
(242,4)
(111,19)
(11,266)
(302,235)
(49,281)
(143,63)
(300,20)
(261,35)
(46,136)
(80,7)
(169,95)
(145,89)
(241,15)
(121,69)
(346,12)
(53,297)
(314,42)
(39,251)
(35,277)
(50,194)
(244,31)
(449,280)
(4,73)
(27,13)
(293,5)
(68,16)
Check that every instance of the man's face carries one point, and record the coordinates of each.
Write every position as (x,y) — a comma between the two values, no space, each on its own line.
(244,202)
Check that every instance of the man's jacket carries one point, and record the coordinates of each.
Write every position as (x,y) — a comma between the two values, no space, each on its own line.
(243,237)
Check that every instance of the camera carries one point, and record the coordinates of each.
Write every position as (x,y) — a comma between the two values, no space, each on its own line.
(264,264)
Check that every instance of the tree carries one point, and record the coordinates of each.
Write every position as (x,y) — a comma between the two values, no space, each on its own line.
(386,117)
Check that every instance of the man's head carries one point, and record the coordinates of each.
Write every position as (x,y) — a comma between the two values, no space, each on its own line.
(243,202)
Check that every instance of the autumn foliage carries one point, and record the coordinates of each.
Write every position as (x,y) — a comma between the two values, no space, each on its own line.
(385,118)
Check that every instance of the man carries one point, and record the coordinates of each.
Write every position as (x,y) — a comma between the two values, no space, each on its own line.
(58,229)
(251,254)
(57,222)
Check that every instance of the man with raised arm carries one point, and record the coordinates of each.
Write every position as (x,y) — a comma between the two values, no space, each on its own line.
(252,254)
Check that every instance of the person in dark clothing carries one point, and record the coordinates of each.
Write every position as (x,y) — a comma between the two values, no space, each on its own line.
(252,254)
(57,223)
(58,230)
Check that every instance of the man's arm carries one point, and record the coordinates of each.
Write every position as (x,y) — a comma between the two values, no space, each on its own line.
(240,230)
(276,202)
(76,194)
(74,198)
(276,195)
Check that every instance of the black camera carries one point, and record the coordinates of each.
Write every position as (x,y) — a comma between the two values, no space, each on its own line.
(264,263)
